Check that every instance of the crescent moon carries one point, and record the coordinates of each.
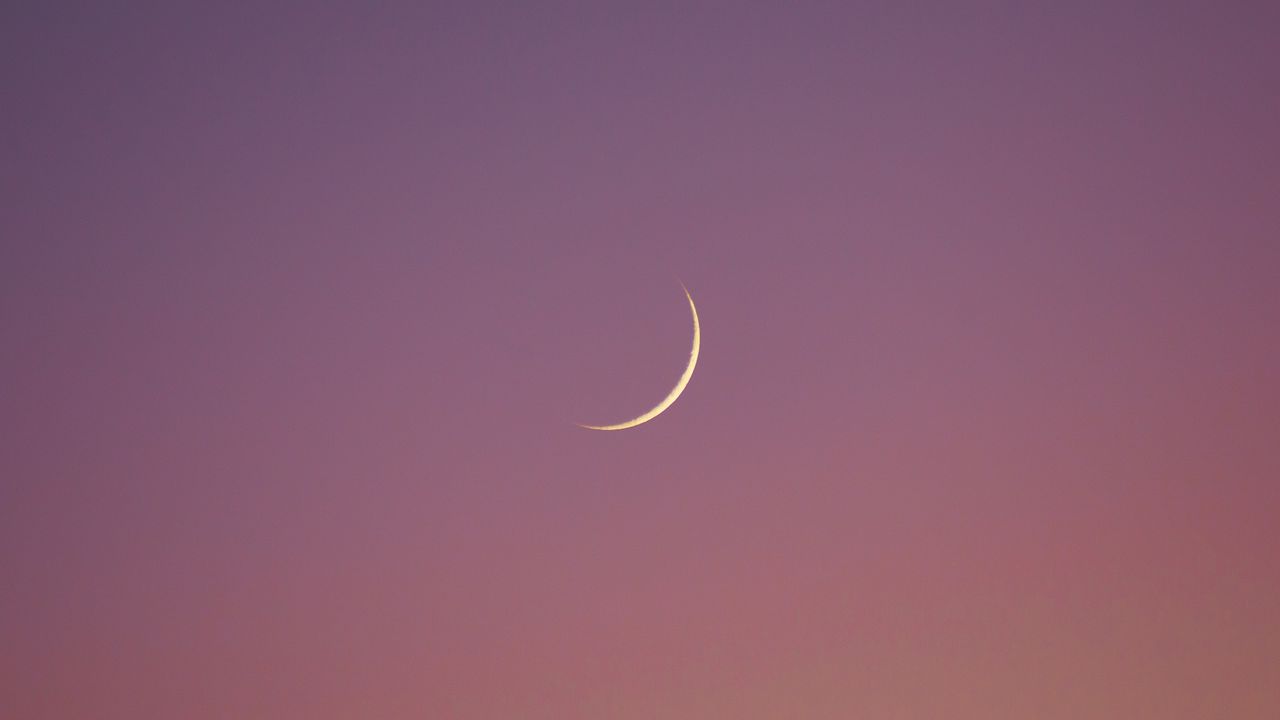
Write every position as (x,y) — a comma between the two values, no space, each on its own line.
(675,392)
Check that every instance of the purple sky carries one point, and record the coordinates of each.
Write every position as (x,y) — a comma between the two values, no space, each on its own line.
(299,306)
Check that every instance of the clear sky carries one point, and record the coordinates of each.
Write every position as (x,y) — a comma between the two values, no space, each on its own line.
(299,306)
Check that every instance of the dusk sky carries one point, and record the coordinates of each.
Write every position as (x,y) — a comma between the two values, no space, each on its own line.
(300,307)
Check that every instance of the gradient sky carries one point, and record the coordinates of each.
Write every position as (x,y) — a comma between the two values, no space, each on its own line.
(299,306)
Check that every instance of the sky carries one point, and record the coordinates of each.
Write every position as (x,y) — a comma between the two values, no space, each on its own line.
(300,306)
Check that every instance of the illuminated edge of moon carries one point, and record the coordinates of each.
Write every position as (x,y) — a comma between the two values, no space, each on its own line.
(675,392)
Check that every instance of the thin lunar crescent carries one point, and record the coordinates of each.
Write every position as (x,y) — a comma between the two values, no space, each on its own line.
(675,392)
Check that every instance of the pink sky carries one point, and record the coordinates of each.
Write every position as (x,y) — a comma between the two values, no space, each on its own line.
(298,309)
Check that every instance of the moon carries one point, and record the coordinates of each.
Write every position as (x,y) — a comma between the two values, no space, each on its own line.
(675,391)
